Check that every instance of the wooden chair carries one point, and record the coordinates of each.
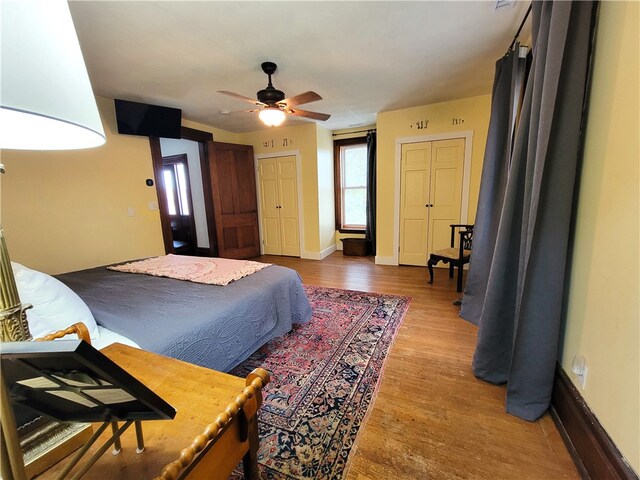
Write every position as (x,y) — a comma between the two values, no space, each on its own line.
(454,256)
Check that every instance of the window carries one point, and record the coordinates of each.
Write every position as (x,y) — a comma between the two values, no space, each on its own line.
(350,157)
(176,187)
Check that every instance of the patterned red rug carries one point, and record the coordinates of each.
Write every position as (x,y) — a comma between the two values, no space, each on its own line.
(324,377)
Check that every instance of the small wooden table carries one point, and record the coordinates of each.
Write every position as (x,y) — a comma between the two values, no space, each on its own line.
(199,395)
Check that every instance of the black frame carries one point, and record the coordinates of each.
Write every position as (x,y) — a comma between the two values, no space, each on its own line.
(25,360)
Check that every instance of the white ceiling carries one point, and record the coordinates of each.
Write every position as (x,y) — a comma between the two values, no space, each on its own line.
(362,57)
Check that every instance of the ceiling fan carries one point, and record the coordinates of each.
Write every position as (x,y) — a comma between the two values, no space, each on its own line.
(273,105)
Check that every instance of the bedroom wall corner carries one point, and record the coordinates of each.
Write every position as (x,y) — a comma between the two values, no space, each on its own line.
(326,193)
(69,210)
(603,307)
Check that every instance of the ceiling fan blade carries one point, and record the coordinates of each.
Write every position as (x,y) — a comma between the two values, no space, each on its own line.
(307,114)
(252,101)
(306,97)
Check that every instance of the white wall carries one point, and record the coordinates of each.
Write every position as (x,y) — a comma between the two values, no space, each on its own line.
(171,146)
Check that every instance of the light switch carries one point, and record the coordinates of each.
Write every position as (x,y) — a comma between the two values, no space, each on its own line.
(131,211)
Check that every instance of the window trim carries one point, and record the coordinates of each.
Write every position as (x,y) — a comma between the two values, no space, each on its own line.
(337,179)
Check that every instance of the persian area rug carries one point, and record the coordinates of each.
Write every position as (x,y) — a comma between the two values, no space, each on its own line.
(324,376)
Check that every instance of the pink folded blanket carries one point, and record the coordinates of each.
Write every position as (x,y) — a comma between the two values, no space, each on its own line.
(212,271)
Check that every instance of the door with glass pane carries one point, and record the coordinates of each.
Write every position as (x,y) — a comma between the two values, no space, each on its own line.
(175,173)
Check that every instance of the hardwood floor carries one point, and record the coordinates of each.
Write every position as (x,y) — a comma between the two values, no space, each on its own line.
(432,419)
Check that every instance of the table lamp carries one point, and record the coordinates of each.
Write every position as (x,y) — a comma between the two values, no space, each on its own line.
(46,103)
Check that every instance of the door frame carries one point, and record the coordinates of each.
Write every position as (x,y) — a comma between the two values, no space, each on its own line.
(288,153)
(466,180)
(201,137)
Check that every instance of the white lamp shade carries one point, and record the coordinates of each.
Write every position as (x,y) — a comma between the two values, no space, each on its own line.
(272,116)
(46,100)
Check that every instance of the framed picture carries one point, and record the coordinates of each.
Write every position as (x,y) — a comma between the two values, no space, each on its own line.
(71,381)
(55,388)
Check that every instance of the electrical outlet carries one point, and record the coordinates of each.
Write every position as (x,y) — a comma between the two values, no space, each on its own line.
(153,205)
(131,211)
(582,379)
(579,367)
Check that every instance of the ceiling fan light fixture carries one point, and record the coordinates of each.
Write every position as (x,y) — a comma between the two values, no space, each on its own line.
(272,116)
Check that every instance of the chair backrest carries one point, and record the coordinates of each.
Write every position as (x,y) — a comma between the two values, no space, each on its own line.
(466,235)
(466,238)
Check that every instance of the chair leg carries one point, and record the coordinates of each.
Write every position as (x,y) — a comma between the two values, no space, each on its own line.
(430,267)
(459,289)
(450,269)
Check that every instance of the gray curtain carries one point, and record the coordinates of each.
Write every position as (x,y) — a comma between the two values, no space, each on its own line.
(506,102)
(371,190)
(515,295)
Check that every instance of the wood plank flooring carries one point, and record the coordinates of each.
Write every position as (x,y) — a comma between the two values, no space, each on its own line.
(432,419)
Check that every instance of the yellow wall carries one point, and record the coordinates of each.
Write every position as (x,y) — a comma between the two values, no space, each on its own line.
(603,307)
(218,135)
(63,211)
(68,210)
(326,193)
(288,139)
(472,114)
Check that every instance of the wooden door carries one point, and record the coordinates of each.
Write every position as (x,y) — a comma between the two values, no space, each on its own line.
(235,208)
(430,197)
(445,193)
(288,194)
(269,201)
(414,200)
(279,205)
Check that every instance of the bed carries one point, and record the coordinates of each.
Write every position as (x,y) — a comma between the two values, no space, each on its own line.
(212,326)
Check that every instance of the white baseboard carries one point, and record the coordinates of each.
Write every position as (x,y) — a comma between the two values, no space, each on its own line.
(327,251)
(318,255)
(380,260)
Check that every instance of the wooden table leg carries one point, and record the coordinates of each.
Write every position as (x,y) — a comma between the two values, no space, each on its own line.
(250,459)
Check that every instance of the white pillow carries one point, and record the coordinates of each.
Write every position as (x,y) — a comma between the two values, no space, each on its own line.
(55,306)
